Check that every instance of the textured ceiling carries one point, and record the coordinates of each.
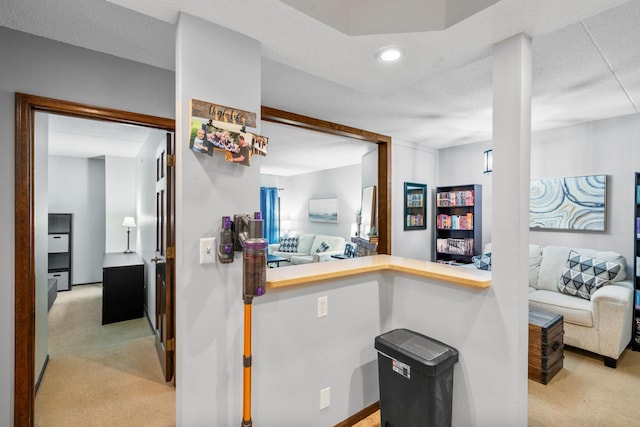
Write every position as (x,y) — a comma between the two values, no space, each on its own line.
(586,57)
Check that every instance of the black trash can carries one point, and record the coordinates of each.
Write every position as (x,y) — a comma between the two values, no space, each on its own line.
(416,379)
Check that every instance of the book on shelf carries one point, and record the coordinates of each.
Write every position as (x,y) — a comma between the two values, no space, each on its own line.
(415,220)
(637,227)
(415,200)
(638,194)
(455,246)
(455,198)
(455,222)
(637,299)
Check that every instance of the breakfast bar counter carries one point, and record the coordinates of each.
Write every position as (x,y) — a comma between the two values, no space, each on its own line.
(308,273)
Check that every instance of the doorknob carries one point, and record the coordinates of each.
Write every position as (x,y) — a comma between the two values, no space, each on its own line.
(156,259)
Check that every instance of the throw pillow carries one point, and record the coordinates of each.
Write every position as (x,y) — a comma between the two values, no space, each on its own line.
(482,262)
(288,244)
(582,275)
(323,247)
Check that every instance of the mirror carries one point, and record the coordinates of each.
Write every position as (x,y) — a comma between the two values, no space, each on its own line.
(368,211)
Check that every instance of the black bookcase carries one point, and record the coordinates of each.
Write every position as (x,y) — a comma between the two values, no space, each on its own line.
(458,218)
(60,243)
(635,342)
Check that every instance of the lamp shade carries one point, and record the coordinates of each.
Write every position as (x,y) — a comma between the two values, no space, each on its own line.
(128,222)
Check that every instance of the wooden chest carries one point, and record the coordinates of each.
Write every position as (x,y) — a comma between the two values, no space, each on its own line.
(546,345)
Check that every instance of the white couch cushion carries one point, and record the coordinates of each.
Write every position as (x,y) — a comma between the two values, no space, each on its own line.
(304,243)
(554,258)
(553,261)
(575,310)
(535,256)
(336,243)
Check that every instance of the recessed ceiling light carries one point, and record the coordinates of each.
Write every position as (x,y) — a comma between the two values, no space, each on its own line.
(389,54)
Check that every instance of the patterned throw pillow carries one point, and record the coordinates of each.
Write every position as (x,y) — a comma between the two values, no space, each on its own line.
(482,262)
(582,275)
(323,247)
(288,244)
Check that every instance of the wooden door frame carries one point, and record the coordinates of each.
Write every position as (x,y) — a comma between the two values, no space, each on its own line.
(24,308)
(25,108)
(384,160)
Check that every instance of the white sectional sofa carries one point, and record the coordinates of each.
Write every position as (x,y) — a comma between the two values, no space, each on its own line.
(601,324)
(309,248)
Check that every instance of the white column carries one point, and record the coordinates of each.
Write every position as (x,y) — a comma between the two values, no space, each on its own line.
(510,208)
(217,65)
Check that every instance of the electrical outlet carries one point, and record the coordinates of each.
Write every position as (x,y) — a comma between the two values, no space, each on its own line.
(207,250)
(323,306)
(325,398)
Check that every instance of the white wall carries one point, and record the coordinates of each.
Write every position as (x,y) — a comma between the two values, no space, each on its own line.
(120,201)
(295,354)
(145,233)
(7,275)
(76,186)
(209,308)
(41,132)
(47,68)
(342,183)
(602,147)
(410,164)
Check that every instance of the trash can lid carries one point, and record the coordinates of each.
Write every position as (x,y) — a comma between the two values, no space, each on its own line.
(425,350)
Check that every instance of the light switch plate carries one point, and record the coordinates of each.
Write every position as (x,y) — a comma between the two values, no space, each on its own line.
(325,398)
(207,250)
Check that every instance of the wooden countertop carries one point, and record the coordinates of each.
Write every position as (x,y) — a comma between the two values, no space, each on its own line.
(307,273)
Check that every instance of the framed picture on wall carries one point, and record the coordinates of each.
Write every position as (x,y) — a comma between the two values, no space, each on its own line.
(323,210)
(415,206)
(573,203)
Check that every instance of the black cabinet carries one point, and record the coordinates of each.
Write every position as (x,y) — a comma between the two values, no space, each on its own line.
(59,248)
(458,219)
(635,342)
(122,287)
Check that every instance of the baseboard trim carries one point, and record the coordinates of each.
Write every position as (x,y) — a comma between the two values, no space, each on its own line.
(359,416)
(44,366)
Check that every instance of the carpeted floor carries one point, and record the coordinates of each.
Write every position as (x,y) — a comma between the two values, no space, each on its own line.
(100,375)
(583,393)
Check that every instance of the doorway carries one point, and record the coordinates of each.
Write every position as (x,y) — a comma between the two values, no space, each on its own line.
(25,304)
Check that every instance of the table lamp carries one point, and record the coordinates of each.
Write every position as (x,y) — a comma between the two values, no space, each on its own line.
(128,222)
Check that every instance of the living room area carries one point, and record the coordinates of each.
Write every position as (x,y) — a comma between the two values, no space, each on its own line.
(488,325)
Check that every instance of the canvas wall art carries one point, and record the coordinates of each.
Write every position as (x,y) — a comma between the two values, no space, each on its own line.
(574,203)
(323,210)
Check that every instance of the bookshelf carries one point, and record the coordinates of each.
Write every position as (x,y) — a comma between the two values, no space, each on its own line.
(458,226)
(60,240)
(415,200)
(635,342)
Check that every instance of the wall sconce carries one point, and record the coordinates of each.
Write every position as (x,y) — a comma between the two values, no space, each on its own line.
(128,222)
(488,162)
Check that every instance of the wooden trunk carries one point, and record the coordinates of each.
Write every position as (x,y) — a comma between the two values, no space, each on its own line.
(546,345)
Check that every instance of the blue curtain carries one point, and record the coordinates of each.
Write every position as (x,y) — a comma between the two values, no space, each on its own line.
(269,209)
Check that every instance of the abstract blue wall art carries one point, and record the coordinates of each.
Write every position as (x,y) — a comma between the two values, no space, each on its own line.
(575,203)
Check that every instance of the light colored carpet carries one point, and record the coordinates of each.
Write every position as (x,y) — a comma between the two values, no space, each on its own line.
(583,393)
(100,375)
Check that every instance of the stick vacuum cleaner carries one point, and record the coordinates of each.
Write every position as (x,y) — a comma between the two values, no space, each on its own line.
(254,278)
